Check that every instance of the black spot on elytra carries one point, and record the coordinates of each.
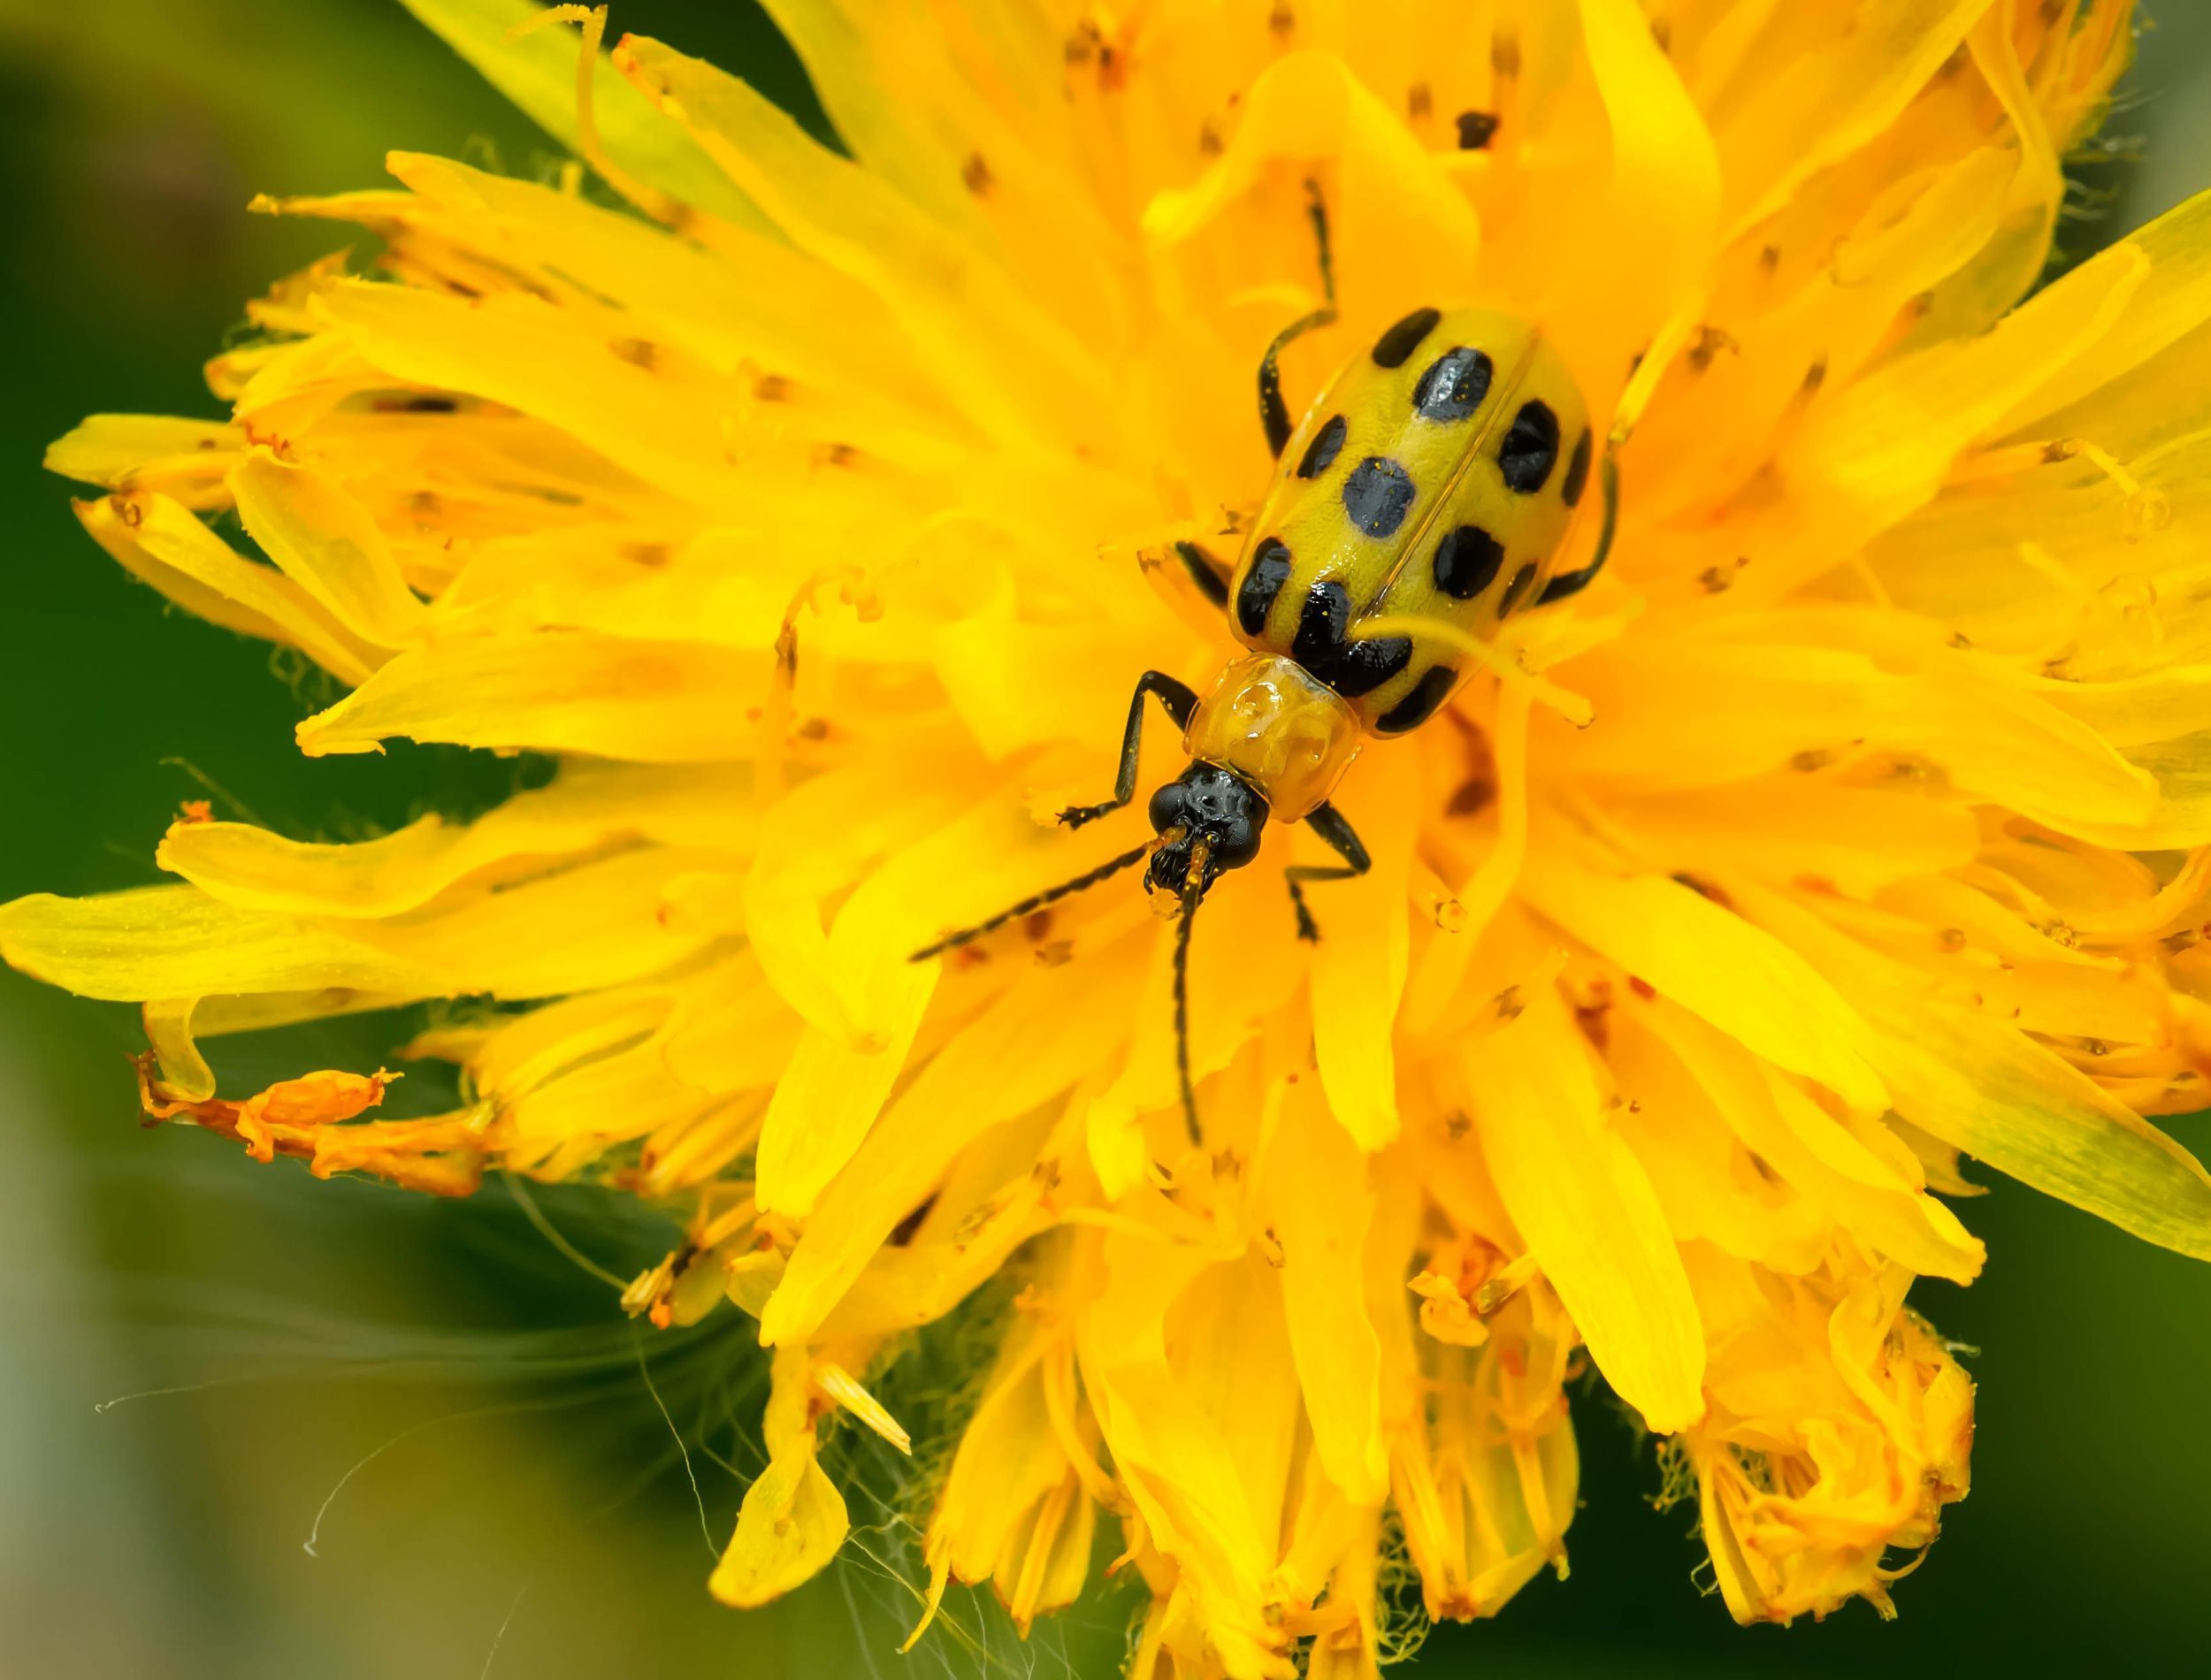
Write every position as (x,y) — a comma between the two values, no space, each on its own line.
(1270,570)
(1433,688)
(1320,454)
(1324,647)
(1378,494)
(1453,387)
(1466,561)
(1476,130)
(1392,348)
(1366,665)
(1205,571)
(1322,626)
(1515,591)
(1530,448)
(1577,471)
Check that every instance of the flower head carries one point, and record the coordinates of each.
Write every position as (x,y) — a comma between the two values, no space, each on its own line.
(818,510)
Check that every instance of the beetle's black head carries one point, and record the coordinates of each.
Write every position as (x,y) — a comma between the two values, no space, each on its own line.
(1206,805)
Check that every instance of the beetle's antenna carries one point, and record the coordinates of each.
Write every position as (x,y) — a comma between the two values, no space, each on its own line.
(1036,901)
(1193,889)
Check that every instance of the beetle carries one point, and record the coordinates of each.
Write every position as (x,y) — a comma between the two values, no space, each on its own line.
(1426,496)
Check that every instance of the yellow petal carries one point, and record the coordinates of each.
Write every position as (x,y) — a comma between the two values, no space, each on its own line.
(1588,1213)
(1983,1086)
(1888,442)
(1198,1476)
(185,1073)
(759,305)
(175,942)
(1014,368)
(1045,1568)
(537,71)
(1008,1461)
(519,350)
(1827,97)
(2171,297)
(1242,969)
(1307,107)
(1785,827)
(160,541)
(186,459)
(585,809)
(816,843)
(827,1099)
(1663,200)
(2026,207)
(1758,706)
(1745,982)
(572,691)
(1322,1207)
(843,1388)
(1443,965)
(792,1521)
(1048,1030)
(1358,967)
(1820,1155)
(1710,1185)
(325,539)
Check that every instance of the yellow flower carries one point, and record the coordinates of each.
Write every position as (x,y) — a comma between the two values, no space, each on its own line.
(1838,1426)
(815,508)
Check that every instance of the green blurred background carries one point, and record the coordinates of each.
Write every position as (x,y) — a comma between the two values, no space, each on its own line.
(513,1501)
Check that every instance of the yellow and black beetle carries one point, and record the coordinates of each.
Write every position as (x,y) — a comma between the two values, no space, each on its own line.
(1432,482)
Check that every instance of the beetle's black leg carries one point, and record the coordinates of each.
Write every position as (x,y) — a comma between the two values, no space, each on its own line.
(1274,412)
(1328,824)
(1180,700)
(1207,571)
(1574,582)
(1317,209)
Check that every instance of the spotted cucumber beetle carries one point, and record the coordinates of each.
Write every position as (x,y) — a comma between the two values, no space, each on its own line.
(1428,494)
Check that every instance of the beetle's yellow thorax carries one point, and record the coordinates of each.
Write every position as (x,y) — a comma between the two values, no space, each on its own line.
(1285,732)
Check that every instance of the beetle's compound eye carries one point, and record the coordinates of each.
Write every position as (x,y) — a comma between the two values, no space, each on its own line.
(1238,843)
(1206,801)
(1166,807)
